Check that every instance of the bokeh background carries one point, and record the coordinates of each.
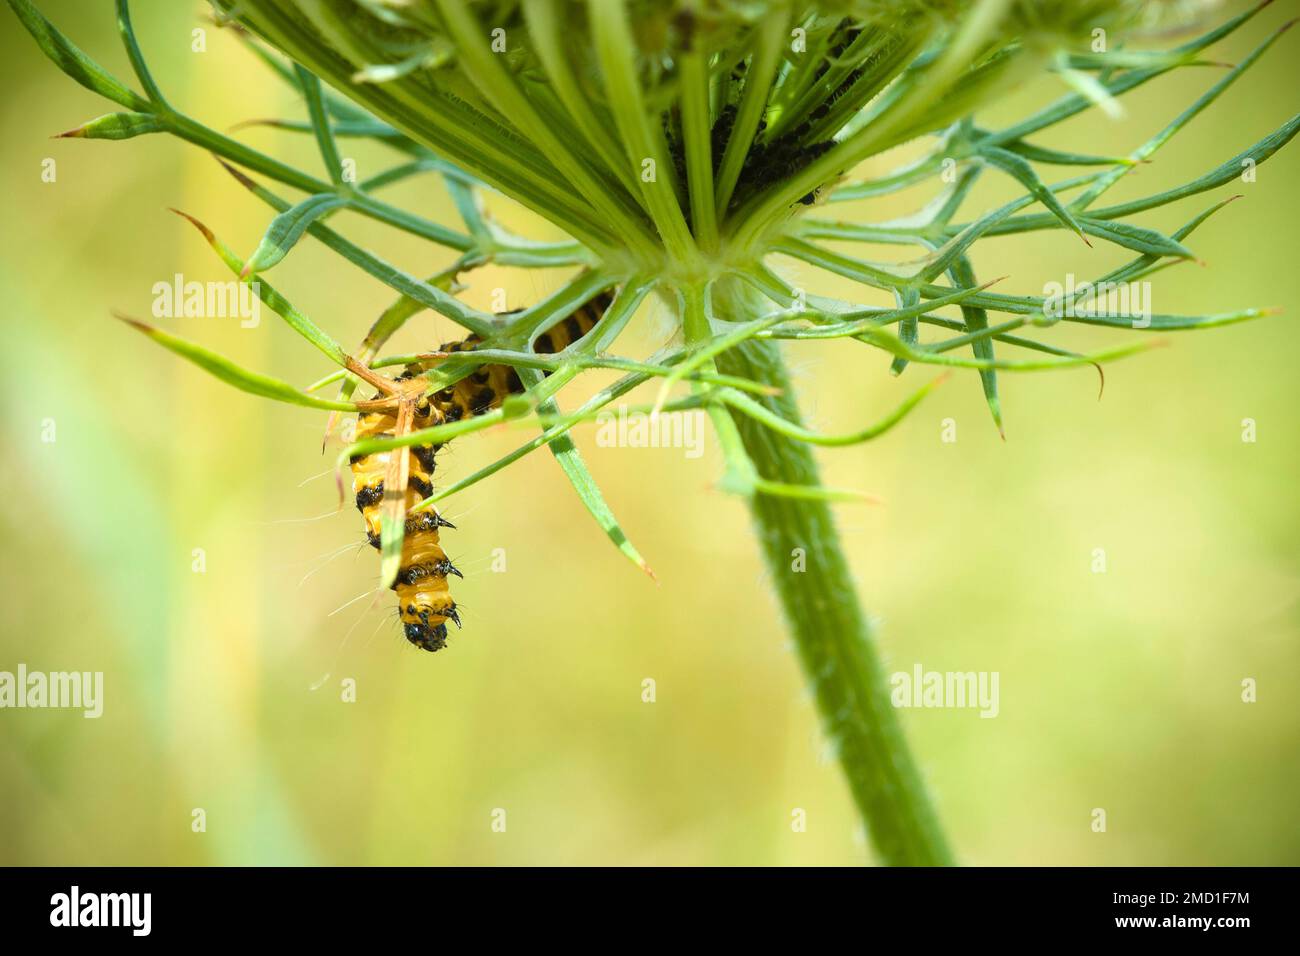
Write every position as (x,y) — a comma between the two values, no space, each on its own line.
(1119,690)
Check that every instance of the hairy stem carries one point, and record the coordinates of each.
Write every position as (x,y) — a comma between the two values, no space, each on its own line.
(832,634)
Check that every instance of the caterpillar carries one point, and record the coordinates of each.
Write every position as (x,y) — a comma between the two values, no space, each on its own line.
(424,598)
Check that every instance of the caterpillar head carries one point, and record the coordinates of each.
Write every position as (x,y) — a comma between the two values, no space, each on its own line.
(425,637)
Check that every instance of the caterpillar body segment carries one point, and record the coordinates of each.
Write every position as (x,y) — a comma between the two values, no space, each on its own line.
(424,600)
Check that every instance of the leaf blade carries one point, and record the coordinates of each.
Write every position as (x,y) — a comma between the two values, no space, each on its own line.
(70,58)
(227,371)
(115,126)
(286,229)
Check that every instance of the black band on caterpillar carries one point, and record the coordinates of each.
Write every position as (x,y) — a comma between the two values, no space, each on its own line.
(416,523)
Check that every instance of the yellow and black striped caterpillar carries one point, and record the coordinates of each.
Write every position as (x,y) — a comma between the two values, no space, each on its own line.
(424,598)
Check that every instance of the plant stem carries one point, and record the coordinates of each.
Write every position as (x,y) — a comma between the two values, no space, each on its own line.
(832,634)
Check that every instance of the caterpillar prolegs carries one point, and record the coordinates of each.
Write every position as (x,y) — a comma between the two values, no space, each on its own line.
(424,598)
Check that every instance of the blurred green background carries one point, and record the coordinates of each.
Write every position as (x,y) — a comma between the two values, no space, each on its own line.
(1118,690)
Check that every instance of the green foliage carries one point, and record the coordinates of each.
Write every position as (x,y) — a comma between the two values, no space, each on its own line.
(680,145)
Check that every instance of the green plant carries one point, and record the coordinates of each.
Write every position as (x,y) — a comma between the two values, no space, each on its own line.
(683,146)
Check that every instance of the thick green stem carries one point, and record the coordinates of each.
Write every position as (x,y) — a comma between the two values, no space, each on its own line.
(830,630)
